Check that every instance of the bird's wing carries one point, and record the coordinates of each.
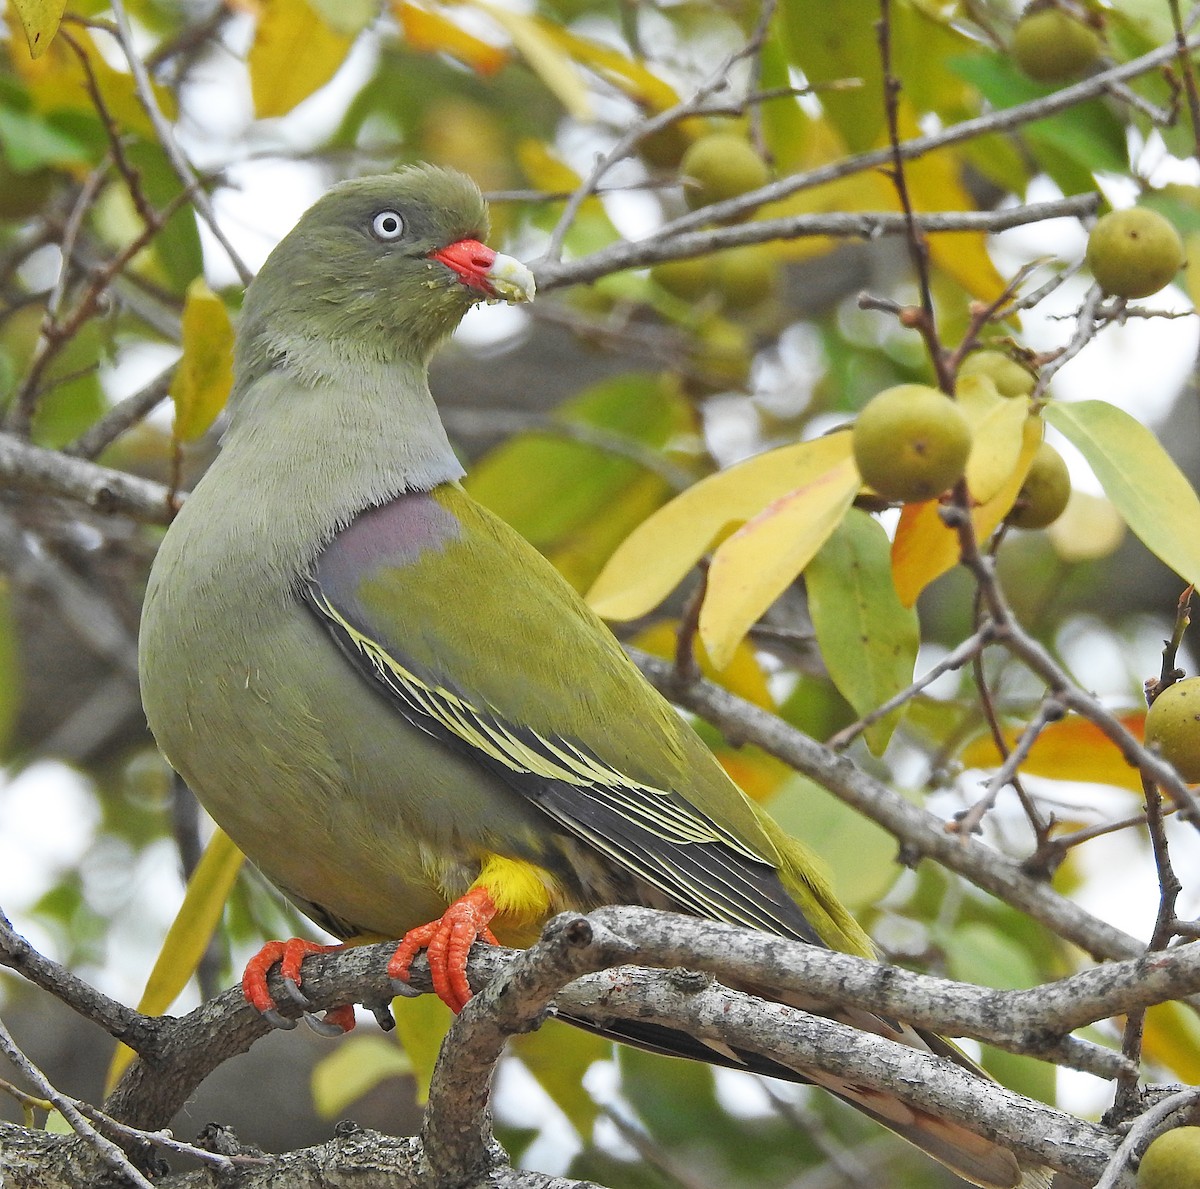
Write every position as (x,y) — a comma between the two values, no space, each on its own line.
(416,591)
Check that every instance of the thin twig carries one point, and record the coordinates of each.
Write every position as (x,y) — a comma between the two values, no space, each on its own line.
(108,1152)
(166,136)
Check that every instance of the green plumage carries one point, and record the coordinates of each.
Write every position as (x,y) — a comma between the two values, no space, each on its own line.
(374,690)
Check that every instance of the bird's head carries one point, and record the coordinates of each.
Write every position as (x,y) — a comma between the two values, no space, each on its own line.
(380,268)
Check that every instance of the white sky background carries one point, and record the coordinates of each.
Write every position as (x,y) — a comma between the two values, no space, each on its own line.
(48,820)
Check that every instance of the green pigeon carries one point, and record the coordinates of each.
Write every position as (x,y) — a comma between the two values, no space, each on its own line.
(393,704)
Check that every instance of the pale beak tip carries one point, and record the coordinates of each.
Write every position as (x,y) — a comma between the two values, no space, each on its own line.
(510,280)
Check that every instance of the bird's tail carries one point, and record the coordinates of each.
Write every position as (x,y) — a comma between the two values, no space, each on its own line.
(973,1157)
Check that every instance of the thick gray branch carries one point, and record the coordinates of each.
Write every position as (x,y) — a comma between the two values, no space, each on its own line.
(32,468)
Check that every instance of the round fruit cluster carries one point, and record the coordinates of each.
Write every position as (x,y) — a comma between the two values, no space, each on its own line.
(912,443)
(719,166)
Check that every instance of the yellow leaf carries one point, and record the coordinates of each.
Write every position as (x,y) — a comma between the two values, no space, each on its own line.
(632,78)
(56,82)
(754,566)
(1172,1038)
(294,53)
(543,57)
(743,675)
(995,447)
(355,1067)
(925,549)
(189,935)
(432,33)
(421,1025)
(1072,749)
(655,556)
(205,373)
(40,20)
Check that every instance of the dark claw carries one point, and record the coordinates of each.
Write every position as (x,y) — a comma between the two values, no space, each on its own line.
(294,993)
(383,1014)
(277,1021)
(402,989)
(321,1027)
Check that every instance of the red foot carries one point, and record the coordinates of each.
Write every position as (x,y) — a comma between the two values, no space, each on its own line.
(290,955)
(447,943)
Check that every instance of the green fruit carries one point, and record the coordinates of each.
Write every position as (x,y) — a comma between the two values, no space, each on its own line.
(1173,726)
(1134,253)
(911,443)
(1044,494)
(746,277)
(1051,46)
(718,166)
(1010,378)
(689,280)
(1172,1161)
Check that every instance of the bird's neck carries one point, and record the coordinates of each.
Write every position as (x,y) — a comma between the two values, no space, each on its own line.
(303,457)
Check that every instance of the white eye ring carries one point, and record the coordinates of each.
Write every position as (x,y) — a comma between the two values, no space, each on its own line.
(387,226)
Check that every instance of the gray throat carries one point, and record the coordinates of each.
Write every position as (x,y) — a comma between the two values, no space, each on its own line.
(302,457)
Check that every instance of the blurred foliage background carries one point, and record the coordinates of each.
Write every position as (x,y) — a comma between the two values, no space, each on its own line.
(580,417)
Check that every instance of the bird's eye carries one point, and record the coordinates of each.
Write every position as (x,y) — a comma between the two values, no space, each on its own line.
(387,226)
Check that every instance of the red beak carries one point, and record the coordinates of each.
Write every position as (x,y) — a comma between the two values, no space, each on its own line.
(470,260)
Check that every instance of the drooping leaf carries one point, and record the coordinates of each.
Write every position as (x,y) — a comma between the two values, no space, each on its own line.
(1140,478)
(654,558)
(924,548)
(868,639)
(355,1067)
(204,376)
(756,564)
(189,934)
(294,54)
(40,20)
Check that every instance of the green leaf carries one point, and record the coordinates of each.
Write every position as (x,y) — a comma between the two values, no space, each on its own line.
(29,141)
(1140,478)
(355,1067)
(835,43)
(867,637)
(860,856)
(1072,145)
